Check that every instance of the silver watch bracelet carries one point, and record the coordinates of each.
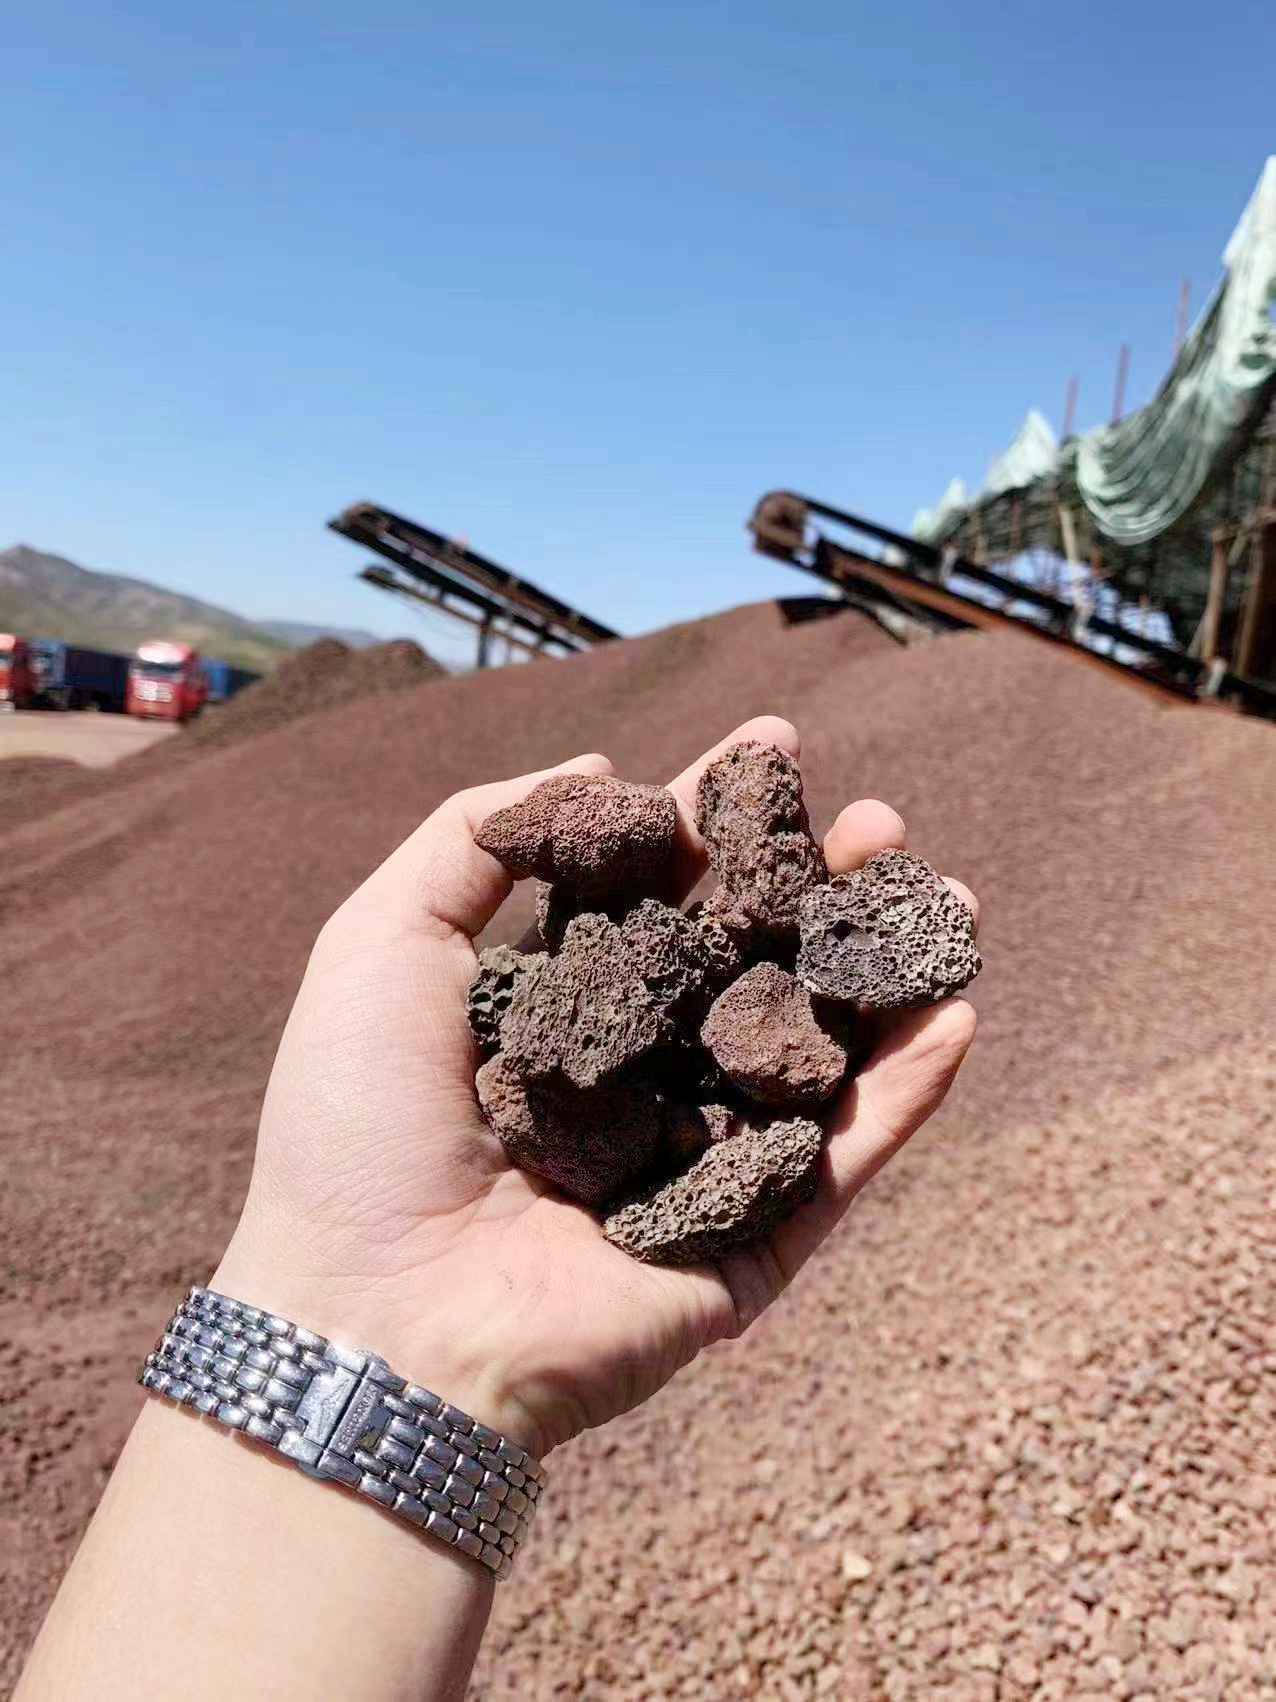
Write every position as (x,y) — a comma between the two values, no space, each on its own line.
(343,1415)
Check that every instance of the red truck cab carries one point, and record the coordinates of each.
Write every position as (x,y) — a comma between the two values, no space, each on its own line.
(15,672)
(166,681)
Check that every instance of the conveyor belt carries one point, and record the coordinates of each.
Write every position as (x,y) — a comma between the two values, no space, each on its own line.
(781,526)
(453,570)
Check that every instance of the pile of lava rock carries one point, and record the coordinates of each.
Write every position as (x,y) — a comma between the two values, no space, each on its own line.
(669,1067)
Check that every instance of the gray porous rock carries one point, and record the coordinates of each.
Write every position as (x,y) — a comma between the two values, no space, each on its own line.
(763,1034)
(586,1013)
(721,1122)
(667,952)
(591,1143)
(750,812)
(591,832)
(721,940)
(736,1193)
(490,992)
(889,935)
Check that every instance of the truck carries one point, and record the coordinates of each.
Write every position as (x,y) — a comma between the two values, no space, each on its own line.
(15,672)
(166,681)
(69,676)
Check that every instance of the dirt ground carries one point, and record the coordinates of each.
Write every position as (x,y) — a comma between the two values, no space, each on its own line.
(1011,1435)
(78,736)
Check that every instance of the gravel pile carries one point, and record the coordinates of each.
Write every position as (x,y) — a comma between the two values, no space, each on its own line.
(1013,1435)
(321,676)
(29,782)
(1013,1426)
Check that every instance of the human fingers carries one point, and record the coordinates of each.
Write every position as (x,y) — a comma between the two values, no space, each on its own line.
(961,891)
(439,882)
(691,858)
(862,829)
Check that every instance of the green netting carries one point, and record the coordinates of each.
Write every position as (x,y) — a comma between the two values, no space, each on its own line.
(1141,498)
(1138,477)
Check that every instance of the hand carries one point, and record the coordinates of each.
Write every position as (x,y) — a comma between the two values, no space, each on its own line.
(382,1210)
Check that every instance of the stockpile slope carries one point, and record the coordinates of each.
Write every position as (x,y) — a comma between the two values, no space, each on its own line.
(1011,1436)
(155,933)
(325,675)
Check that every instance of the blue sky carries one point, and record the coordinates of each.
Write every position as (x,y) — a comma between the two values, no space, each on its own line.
(579,281)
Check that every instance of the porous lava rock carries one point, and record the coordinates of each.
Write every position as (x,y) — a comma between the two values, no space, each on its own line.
(585,1013)
(636,1051)
(591,832)
(592,1143)
(750,812)
(491,990)
(721,943)
(720,1121)
(889,935)
(763,1034)
(736,1193)
(667,952)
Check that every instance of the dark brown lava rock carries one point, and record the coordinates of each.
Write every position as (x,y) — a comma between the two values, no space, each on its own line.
(491,990)
(586,1013)
(890,934)
(735,1194)
(750,811)
(763,1034)
(632,1056)
(667,952)
(592,833)
(591,1143)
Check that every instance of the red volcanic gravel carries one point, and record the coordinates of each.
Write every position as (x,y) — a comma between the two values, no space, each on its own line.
(1011,1435)
(592,1143)
(749,809)
(320,676)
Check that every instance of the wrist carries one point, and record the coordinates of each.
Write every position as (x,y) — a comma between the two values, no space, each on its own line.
(428,1343)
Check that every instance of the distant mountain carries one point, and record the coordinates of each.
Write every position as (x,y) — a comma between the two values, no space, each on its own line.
(46,596)
(300,633)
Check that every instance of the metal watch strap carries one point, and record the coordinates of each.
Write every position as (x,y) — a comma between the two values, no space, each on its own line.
(343,1414)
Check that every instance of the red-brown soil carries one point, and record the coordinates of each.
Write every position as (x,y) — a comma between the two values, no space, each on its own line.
(1013,1433)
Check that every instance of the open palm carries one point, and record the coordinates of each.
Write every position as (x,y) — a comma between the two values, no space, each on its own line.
(383,1211)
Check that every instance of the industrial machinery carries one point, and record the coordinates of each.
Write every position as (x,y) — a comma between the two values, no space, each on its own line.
(446,574)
